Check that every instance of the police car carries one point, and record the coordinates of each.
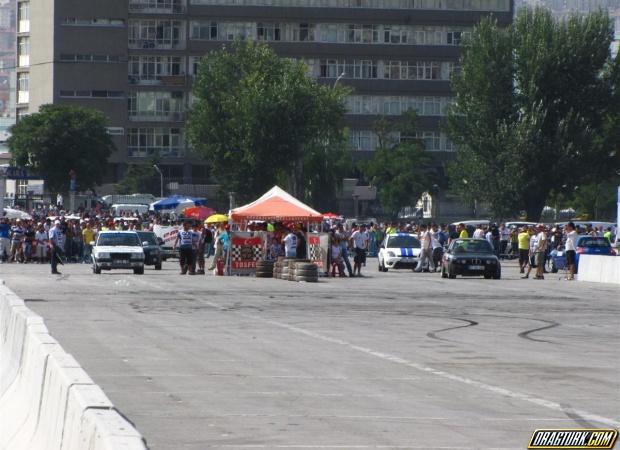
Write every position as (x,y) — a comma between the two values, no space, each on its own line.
(118,250)
(399,251)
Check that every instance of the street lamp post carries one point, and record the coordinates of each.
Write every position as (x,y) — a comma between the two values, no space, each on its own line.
(338,79)
(161,179)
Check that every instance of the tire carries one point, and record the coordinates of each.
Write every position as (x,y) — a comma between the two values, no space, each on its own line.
(497,275)
(264,275)
(138,271)
(158,266)
(488,276)
(443,272)
(306,266)
(306,273)
(96,270)
(264,272)
(264,265)
(307,279)
(554,268)
(451,273)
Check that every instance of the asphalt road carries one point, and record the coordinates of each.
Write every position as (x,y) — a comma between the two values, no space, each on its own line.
(392,360)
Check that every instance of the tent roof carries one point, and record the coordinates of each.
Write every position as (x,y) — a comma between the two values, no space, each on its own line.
(276,205)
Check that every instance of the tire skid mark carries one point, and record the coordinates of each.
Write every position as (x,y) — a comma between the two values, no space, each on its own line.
(526,334)
(433,334)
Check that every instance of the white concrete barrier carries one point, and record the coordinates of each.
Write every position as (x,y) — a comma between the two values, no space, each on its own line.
(47,401)
(599,269)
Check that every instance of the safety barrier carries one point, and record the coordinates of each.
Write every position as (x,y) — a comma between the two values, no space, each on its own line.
(599,269)
(47,401)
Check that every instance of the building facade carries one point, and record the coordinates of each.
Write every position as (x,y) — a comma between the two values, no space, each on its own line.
(135,60)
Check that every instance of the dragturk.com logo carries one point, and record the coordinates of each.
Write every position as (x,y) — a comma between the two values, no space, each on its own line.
(574,438)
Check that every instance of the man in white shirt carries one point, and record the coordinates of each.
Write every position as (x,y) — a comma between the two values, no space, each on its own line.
(290,245)
(571,249)
(359,238)
(426,253)
(478,233)
(540,252)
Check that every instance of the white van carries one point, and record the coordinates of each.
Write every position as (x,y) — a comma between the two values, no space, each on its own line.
(120,209)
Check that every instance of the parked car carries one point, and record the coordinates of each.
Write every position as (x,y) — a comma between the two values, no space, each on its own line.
(590,245)
(470,257)
(152,249)
(399,251)
(118,250)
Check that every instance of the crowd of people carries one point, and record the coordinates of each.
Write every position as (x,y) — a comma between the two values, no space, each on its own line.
(52,232)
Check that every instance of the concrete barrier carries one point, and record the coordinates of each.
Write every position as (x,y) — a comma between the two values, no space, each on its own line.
(599,269)
(47,401)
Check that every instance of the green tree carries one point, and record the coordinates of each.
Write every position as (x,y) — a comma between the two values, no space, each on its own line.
(258,118)
(60,139)
(401,171)
(537,107)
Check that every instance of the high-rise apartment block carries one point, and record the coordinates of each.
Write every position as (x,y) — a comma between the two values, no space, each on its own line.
(135,61)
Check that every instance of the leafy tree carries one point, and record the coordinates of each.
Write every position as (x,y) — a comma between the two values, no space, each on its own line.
(259,117)
(60,139)
(400,170)
(537,107)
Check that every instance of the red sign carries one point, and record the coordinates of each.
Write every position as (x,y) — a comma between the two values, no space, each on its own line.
(314,240)
(243,242)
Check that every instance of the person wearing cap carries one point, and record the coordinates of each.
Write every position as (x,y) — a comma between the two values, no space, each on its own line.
(56,244)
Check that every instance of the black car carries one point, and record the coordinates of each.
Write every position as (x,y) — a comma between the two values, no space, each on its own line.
(152,250)
(470,257)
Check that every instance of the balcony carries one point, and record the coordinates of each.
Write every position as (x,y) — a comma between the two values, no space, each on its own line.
(157,7)
(145,116)
(155,44)
(159,80)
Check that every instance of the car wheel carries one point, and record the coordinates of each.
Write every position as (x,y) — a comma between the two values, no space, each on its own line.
(498,274)
(96,270)
(443,272)
(554,268)
(138,271)
(451,273)
(488,276)
(158,266)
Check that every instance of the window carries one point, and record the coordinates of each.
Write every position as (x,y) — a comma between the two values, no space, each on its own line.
(302,32)
(23,51)
(23,17)
(23,87)
(204,31)
(363,140)
(151,69)
(92,94)
(159,34)
(146,142)
(115,131)
(268,31)
(156,106)
(482,5)
(71,57)
(73,21)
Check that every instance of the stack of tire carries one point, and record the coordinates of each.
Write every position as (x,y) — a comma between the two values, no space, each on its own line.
(278,268)
(304,270)
(264,269)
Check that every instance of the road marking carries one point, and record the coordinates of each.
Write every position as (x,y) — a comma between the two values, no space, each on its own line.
(551,405)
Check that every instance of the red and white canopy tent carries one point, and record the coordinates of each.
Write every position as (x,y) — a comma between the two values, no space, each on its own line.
(276,205)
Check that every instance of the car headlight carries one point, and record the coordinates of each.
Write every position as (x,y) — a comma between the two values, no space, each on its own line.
(391,254)
(137,256)
(103,255)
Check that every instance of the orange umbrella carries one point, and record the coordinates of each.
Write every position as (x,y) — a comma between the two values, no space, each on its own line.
(198,212)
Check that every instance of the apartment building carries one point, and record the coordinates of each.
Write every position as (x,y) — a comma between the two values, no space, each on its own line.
(135,60)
